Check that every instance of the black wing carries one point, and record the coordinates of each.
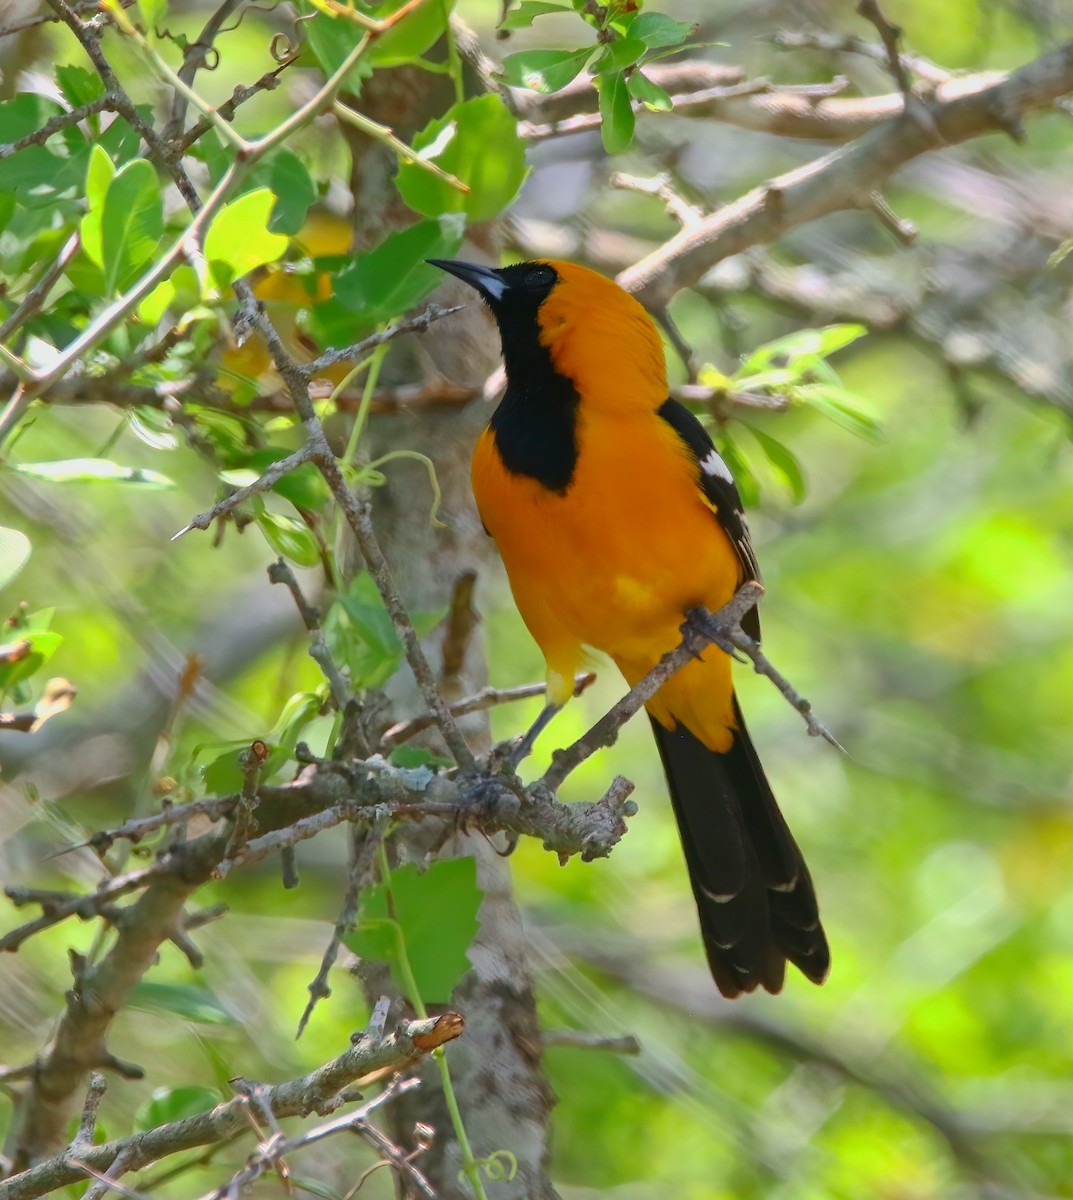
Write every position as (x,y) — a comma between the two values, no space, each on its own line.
(719,487)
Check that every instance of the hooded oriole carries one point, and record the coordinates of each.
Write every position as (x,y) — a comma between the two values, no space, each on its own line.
(615,515)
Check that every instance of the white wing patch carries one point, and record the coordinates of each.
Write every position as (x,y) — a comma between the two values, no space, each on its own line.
(714,465)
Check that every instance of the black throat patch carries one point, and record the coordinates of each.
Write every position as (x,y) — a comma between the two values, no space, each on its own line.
(535,425)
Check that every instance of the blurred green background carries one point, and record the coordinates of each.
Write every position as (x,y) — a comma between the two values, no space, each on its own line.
(920,595)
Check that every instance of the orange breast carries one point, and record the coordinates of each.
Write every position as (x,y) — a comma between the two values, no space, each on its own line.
(616,561)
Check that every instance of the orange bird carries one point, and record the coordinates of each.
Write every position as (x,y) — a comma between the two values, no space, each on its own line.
(615,515)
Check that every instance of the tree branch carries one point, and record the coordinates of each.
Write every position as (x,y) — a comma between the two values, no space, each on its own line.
(317,1092)
(848,177)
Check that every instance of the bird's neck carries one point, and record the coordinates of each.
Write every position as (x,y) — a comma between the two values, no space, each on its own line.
(535,425)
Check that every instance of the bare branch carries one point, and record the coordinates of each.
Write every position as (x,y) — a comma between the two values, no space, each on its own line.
(845,43)
(363,863)
(960,110)
(488,697)
(413,324)
(317,1092)
(280,572)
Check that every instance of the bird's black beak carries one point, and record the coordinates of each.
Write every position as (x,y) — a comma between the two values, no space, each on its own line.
(486,280)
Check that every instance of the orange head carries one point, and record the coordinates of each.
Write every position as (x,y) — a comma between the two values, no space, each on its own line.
(597,335)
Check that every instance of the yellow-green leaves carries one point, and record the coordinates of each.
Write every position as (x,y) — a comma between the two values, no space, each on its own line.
(239,239)
(476,141)
(125,220)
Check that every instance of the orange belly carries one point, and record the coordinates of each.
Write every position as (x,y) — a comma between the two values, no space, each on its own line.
(616,562)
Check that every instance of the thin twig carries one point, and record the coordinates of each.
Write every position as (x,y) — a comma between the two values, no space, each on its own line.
(362,869)
(38,294)
(605,731)
(583,1039)
(280,572)
(489,697)
(845,43)
(890,35)
(57,123)
(273,474)
(414,324)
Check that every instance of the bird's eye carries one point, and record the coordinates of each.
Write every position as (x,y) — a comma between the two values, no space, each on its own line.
(539,277)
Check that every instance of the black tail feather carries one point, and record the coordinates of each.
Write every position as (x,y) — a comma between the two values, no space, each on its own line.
(754,894)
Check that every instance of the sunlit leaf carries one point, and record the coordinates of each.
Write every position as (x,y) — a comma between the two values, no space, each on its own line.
(25,654)
(476,141)
(843,407)
(527,12)
(93,470)
(545,71)
(239,239)
(132,222)
(290,537)
(14,552)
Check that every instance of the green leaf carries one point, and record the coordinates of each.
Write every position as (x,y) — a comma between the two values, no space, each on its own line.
(842,407)
(93,470)
(360,632)
(545,70)
(155,305)
(153,427)
(650,94)
(527,12)
(42,647)
(435,912)
(132,222)
(174,1104)
(289,537)
(99,174)
(616,112)
(417,756)
(25,113)
(332,39)
(804,344)
(657,30)
(783,462)
(14,551)
(182,1000)
(153,13)
(239,239)
(739,466)
(294,190)
(304,487)
(394,276)
(618,55)
(477,141)
(417,32)
(79,84)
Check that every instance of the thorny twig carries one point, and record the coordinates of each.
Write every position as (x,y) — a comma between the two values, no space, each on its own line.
(280,572)
(318,1092)
(364,858)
